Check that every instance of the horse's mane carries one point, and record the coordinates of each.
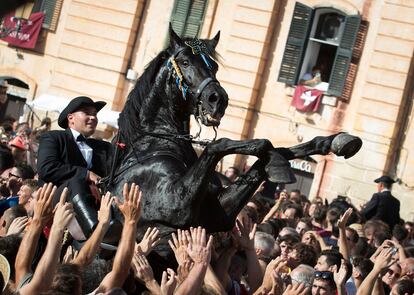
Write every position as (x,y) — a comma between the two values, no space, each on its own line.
(129,119)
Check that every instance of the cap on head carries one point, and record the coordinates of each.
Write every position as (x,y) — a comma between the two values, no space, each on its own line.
(384,179)
(74,105)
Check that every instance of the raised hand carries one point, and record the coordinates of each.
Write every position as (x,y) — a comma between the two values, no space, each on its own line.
(247,232)
(276,265)
(104,213)
(183,270)
(63,212)
(260,188)
(18,225)
(131,208)
(70,255)
(43,210)
(179,244)
(199,248)
(149,241)
(298,289)
(384,259)
(168,282)
(277,283)
(142,268)
(344,218)
(340,274)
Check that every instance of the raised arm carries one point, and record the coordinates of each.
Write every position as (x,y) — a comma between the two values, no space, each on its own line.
(382,261)
(199,251)
(42,214)
(91,247)
(143,272)
(43,276)
(131,209)
(343,242)
(247,232)
(274,209)
(213,282)
(340,277)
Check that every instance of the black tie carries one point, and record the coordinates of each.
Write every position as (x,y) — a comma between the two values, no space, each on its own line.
(80,138)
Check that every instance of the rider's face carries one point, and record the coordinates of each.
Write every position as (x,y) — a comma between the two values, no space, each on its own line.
(84,120)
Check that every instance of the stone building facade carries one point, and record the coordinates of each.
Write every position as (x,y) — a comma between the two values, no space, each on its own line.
(366,47)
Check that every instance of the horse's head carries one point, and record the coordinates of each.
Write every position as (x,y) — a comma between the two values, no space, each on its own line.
(194,70)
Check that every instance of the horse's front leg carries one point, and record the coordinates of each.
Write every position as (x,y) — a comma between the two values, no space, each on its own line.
(198,177)
(341,144)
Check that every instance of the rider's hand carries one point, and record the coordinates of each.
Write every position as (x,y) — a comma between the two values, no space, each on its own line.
(93,177)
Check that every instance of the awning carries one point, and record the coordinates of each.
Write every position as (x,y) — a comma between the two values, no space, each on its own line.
(52,103)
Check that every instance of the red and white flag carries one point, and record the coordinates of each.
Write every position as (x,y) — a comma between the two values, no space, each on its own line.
(306,100)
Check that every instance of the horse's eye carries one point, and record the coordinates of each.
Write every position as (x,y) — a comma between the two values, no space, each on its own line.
(185,63)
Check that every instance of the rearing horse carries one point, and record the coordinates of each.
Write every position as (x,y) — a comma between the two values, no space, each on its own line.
(180,189)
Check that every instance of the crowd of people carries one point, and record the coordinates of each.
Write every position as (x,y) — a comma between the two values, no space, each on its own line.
(286,245)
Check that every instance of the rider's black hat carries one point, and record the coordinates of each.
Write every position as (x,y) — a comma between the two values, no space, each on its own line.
(74,105)
(385,179)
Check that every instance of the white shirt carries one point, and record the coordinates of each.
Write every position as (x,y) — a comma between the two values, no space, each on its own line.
(85,149)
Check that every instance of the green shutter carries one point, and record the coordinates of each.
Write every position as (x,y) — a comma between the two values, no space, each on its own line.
(296,43)
(343,55)
(187,17)
(195,18)
(179,15)
(48,7)
(51,8)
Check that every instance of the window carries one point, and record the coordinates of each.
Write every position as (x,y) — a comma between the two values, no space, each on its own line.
(322,38)
(187,17)
(51,8)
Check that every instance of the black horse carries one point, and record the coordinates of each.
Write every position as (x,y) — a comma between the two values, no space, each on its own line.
(180,189)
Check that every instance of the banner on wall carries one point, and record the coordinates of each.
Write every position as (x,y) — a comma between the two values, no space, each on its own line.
(23,33)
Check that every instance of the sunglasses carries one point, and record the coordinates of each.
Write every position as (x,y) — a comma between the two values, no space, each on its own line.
(325,275)
(391,272)
(11,174)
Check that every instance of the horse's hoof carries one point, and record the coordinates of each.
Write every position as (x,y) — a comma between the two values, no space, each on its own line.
(278,169)
(346,145)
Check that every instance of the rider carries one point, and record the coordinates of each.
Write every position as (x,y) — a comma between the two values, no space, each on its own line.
(70,158)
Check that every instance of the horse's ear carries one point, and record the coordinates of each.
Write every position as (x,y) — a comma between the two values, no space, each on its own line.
(175,40)
(213,42)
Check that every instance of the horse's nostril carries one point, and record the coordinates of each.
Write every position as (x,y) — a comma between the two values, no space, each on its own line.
(213,98)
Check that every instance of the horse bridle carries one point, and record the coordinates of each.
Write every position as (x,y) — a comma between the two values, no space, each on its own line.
(198,48)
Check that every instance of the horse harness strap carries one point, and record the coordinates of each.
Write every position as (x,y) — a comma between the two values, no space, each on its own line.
(198,48)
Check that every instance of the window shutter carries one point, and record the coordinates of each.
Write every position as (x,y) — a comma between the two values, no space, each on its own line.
(343,55)
(51,8)
(295,44)
(187,17)
(195,18)
(356,55)
(179,15)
